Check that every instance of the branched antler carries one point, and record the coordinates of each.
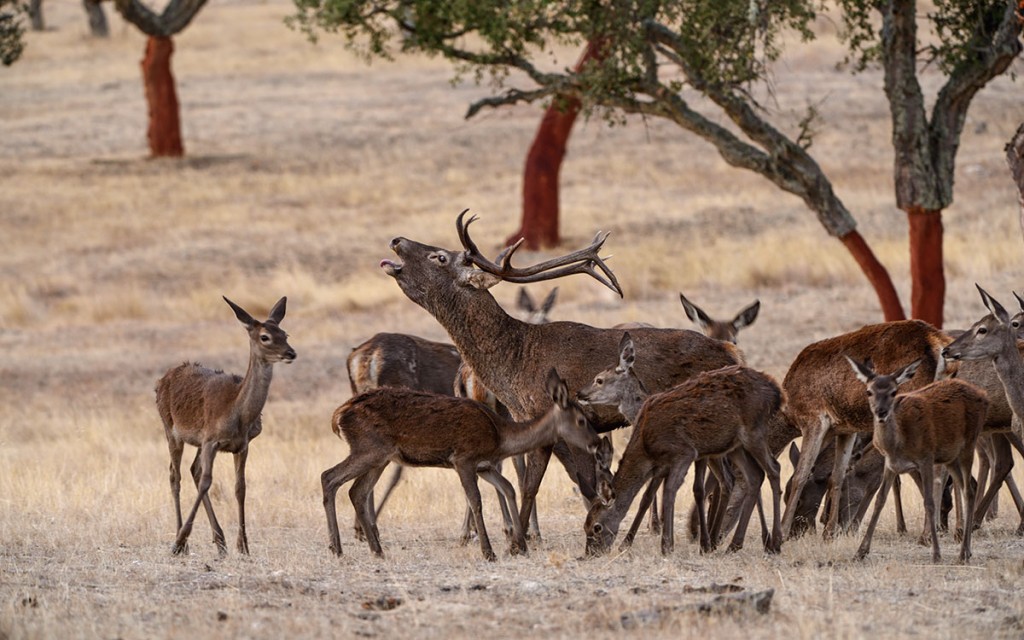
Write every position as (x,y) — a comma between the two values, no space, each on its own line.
(585,260)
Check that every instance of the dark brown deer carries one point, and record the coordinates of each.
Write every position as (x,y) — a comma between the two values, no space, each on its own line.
(216,411)
(511,356)
(619,387)
(936,424)
(824,397)
(724,412)
(423,429)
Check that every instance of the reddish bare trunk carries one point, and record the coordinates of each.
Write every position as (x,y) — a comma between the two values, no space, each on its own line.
(1015,159)
(164,125)
(539,225)
(876,275)
(928,282)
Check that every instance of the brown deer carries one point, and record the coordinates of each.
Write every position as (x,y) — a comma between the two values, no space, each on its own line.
(824,397)
(619,387)
(411,362)
(936,424)
(216,411)
(724,412)
(511,356)
(423,429)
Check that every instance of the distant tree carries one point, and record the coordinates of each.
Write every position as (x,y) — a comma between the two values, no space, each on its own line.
(652,55)
(93,9)
(164,122)
(11,31)
(975,41)
(1015,158)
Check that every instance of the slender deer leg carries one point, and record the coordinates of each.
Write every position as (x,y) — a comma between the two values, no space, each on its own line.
(218,532)
(707,545)
(673,480)
(359,494)
(844,450)
(646,502)
(519,462)
(771,468)
(331,480)
(468,478)
(927,471)
(396,477)
(901,522)
(536,465)
(753,477)
(1001,467)
(176,450)
(206,455)
(865,545)
(813,437)
(723,512)
(507,494)
(240,458)
(962,484)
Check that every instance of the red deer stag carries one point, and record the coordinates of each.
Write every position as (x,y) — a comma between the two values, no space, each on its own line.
(424,429)
(216,411)
(717,413)
(823,397)
(511,356)
(936,424)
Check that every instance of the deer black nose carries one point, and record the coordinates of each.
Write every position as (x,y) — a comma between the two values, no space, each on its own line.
(289,354)
(394,242)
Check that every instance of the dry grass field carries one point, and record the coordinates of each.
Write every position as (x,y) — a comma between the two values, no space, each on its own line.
(302,163)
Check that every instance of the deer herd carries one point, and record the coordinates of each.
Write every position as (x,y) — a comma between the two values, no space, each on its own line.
(883,400)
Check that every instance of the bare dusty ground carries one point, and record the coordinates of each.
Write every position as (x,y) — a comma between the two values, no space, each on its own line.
(302,163)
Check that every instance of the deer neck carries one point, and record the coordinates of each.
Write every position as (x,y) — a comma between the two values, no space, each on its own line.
(521,437)
(886,435)
(630,404)
(1009,366)
(252,394)
(490,341)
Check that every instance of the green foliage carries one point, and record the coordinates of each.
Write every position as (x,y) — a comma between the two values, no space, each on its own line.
(965,29)
(725,44)
(11,31)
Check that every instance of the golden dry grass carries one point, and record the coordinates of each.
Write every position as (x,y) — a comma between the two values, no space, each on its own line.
(302,163)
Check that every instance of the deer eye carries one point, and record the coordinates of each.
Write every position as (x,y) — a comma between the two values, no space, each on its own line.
(982,331)
(264,338)
(597,528)
(599,381)
(442,259)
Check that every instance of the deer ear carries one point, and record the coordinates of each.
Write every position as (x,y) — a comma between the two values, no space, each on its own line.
(240,313)
(863,370)
(525,301)
(557,389)
(694,313)
(746,317)
(993,306)
(277,313)
(907,372)
(627,352)
(1020,300)
(478,279)
(549,301)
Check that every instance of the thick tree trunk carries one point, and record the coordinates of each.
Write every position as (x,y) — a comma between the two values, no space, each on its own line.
(35,12)
(928,282)
(164,125)
(1015,158)
(876,274)
(97,18)
(539,225)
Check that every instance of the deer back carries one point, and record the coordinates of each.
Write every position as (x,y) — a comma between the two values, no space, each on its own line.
(709,412)
(943,417)
(401,360)
(821,381)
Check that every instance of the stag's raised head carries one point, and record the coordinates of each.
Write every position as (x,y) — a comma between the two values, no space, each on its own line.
(269,340)
(985,339)
(432,276)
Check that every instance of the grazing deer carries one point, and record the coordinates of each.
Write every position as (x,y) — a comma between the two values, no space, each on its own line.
(823,397)
(424,429)
(619,387)
(511,356)
(724,412)
(216,411)
(936,424)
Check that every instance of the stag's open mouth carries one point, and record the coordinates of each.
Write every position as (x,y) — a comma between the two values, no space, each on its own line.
(390,267)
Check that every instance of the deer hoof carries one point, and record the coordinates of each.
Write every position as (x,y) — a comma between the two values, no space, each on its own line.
(180,548)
